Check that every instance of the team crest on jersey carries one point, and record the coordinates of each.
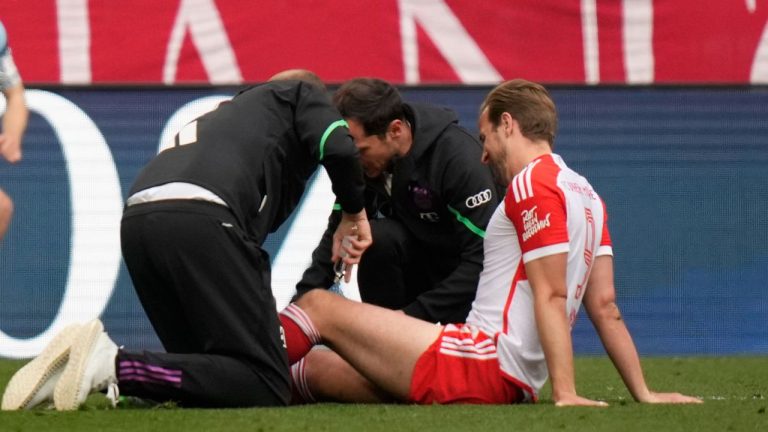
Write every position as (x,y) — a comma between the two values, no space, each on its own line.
(532,224)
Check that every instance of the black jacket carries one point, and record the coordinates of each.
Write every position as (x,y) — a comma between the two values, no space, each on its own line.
(444,196)
(258,150)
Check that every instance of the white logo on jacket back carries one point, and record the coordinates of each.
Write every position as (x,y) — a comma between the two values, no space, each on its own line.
(430,217)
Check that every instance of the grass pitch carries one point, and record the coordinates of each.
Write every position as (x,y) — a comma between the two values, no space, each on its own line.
(734,390)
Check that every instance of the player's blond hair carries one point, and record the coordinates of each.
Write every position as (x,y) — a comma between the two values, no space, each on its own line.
(527,102)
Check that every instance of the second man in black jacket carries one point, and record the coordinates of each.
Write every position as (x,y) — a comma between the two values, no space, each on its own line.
(429,199)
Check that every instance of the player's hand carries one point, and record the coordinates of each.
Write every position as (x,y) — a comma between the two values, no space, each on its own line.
(669,398)
(576,400)
(10,148)
(357,226)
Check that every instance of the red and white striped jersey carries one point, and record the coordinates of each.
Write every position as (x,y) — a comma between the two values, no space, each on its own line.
(548,209)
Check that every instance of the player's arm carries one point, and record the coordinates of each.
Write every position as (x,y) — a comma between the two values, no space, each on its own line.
(14,123)
(600,303)
(545,254)
(547,277)
(320,274)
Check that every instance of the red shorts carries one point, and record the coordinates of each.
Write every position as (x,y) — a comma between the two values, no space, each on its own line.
(462,367)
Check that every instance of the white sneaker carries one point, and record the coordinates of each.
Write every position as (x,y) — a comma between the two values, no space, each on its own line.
(34,383)
(91,367)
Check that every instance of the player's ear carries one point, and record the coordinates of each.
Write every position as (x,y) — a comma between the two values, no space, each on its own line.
(508,123)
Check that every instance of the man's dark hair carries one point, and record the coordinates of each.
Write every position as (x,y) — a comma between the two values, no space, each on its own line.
(372,102)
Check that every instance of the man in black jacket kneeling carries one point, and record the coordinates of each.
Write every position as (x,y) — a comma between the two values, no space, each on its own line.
(429,199)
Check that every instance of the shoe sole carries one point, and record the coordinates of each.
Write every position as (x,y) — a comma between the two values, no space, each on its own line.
(29,379)
(66,396)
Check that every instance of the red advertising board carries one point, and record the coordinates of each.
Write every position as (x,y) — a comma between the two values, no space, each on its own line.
(404,41)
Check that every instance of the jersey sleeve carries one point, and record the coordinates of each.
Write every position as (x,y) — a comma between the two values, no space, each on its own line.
(321,128)
(536,207)
(606,247)
(9,75)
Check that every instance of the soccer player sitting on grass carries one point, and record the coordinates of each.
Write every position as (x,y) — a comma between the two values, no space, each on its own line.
(547,251)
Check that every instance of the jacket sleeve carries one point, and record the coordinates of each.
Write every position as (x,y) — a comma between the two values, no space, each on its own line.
(319,274)
(321,127)
(471,198)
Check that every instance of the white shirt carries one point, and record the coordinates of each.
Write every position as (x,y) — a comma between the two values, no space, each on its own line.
(548,209)
(175,191)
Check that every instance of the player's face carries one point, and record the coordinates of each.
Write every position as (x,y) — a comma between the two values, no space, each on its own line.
(376,153)
(494,151)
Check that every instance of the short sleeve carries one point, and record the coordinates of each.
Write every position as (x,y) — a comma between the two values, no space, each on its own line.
(606,247)
(536,207)
(9,75)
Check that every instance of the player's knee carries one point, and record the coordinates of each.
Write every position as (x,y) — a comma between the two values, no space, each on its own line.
(316,300)
(311,298)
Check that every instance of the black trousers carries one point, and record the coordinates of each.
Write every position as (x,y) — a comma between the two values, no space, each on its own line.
(397,268)
(206,290)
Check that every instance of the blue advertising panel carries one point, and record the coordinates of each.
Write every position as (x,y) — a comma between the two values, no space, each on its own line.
(683,172)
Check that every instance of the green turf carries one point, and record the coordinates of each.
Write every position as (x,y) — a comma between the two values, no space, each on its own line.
(734,389)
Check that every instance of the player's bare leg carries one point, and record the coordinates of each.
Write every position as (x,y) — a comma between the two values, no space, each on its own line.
(382,344)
